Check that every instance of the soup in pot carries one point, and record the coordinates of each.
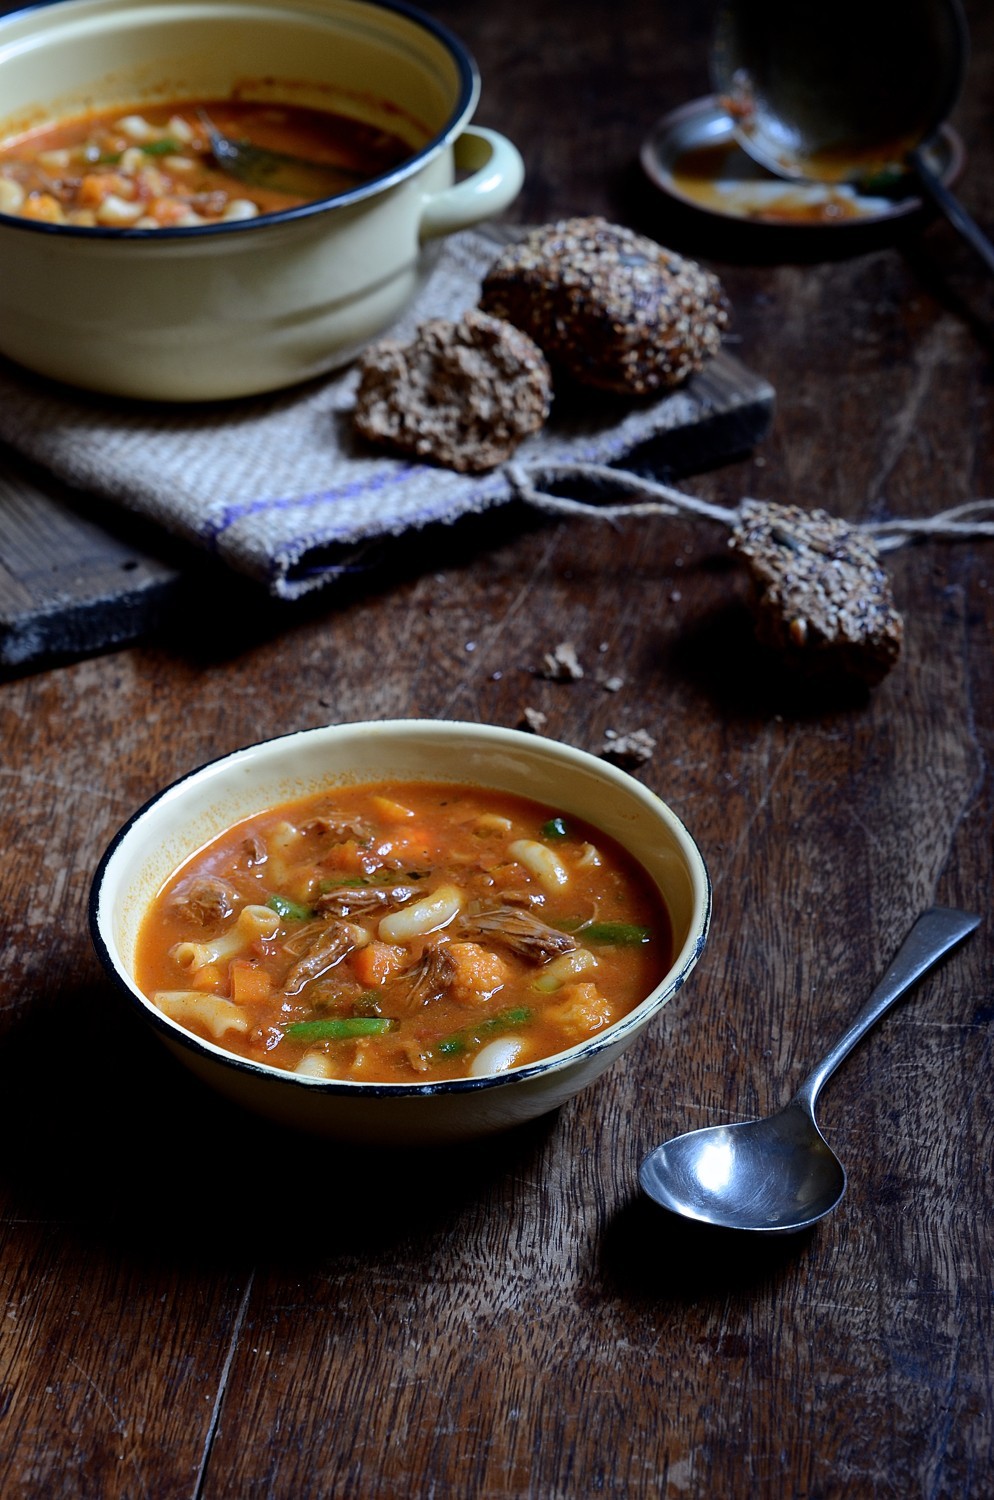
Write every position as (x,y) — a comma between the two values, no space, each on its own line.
(155,168)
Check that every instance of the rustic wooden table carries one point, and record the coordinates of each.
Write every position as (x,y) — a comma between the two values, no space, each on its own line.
(195,1305)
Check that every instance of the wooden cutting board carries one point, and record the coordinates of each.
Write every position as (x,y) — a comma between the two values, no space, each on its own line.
(79,575)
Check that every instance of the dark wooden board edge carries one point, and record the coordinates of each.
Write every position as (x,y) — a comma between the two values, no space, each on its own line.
(77,576)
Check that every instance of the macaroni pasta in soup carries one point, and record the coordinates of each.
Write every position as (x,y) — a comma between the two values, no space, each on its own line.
(154,167)
(404,933)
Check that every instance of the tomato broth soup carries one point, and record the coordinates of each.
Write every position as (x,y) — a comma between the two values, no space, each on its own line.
(153,167)
(404,933)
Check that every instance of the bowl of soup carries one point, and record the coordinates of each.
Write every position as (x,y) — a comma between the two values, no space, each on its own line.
(402,931)
(209,199)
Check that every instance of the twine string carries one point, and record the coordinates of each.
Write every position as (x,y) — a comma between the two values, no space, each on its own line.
(972,520)
(960,522)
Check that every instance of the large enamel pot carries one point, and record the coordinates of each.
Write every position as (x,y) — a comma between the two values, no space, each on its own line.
(240,308)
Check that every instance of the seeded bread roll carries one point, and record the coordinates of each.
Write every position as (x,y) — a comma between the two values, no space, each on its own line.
(608,306)
(461,394)
(822,598)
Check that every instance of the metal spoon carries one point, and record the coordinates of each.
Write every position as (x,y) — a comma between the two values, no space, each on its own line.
(277,170)
(779,1174)
(848,92)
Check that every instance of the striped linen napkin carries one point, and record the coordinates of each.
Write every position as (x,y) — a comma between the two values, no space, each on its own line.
(278,488)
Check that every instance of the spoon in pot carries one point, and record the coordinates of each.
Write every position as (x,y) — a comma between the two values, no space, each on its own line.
(779,1174)
(850,92)
(279,171)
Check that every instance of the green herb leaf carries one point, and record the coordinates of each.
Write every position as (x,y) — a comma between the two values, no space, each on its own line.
(883,181)
(555,829)
(290,911)
(165,147)
(333,1028)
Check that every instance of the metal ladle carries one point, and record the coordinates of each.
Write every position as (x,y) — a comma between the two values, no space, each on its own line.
(848,92)
(779,1174)
(279,171)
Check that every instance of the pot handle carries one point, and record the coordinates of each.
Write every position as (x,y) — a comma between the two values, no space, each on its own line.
(497,172)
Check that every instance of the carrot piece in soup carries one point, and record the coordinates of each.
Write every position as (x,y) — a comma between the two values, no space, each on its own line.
(376,962)
(207,977)
(249,982)
(95,187)
(346,856)
(44,207)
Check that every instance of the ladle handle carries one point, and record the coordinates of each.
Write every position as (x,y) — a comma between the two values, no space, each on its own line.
(937,931)
(953,209)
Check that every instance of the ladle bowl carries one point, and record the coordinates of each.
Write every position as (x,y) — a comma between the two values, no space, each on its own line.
(838,93)
(852,92)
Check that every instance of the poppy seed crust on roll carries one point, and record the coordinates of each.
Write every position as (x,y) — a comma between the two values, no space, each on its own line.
(821,596)
(609,307)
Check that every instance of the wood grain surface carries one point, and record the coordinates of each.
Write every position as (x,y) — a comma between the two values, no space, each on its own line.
(195,1305)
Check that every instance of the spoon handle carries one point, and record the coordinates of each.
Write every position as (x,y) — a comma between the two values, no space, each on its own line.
(937,931)
(953,210)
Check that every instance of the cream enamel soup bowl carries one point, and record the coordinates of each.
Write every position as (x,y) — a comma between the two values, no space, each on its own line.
(240,308)
(184,817)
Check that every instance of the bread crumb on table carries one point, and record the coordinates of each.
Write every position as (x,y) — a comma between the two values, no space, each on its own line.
(534,719)
(562,664)
(632,749)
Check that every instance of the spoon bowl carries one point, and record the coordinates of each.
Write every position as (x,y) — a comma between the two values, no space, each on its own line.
(779,1174)
(259,167)
(784,1173)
